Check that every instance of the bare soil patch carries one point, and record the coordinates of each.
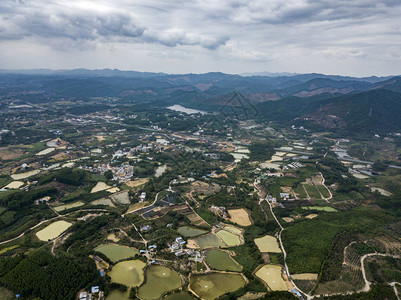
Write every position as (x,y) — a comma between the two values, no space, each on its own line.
(240,216)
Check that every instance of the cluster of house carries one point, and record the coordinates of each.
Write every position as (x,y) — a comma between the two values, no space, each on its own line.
(146,148)
(284,196)
(219,211)
(95,293)
(123,172)
(42,200)
(177,246)
(146,228)
(271,199)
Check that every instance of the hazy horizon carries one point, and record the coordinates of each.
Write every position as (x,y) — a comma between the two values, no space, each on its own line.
(357,38)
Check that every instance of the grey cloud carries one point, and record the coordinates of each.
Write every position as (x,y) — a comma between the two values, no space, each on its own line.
(55,22)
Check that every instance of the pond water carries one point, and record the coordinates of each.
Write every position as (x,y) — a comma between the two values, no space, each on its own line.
(129,273)
(221,260)
(179,296)
(213,285)
(117,252)
(117,295)
(190,111)
(159,280)
(209,241)
(271,275)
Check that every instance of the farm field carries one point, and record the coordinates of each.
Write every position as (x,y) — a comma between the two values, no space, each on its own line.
(312,191)
(24,175)
(100,186)
(268,243)
(45,151)
(222,261)
(213,285)
(14,185)
(240,216)
(322,208)
(68,206)
(187,231)
(122,198)
(53,230)
(159,280)
(117,252)
(323,190)
(103,201)
(129,273)
(271,275)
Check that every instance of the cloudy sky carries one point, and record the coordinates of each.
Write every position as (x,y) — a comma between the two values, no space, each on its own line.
(348,37)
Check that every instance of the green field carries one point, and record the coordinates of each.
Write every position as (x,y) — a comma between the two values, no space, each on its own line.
(159,280)
(312,191)
(323,190)
(321,208)
(190,231)
(117,252)
(68,206)
(221,260)
(299,190)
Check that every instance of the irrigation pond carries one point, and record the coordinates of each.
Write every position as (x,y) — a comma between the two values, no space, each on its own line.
(271,275)
(129,273)
(267,243)
(159,280)
(221,260)
(117,252)
(213,285)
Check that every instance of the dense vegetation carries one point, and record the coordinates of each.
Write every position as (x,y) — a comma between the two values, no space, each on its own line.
(42,275)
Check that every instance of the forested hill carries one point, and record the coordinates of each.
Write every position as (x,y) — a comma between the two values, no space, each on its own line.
(374,111)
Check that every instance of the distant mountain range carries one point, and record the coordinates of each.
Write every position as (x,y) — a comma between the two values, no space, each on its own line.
(332,102)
